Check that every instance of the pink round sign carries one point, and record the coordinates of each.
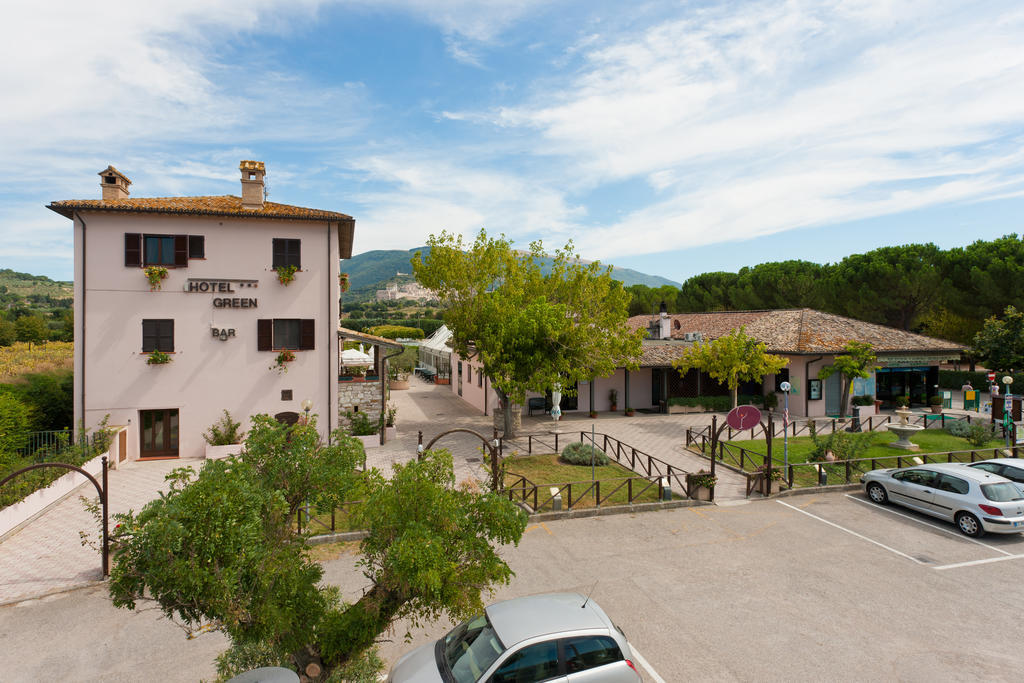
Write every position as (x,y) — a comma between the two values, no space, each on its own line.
(743,417)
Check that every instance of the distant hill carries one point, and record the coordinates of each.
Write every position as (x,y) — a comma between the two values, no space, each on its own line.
(373,267)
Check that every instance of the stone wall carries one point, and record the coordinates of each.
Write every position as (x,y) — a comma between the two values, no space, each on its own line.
(364,395)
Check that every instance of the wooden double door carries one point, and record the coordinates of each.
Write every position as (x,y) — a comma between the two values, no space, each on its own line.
(159,433)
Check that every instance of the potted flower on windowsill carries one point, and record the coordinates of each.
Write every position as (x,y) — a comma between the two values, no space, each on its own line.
(285,274)
(155,275)
(343,282)
(158,358)
(701,484)
(282,359)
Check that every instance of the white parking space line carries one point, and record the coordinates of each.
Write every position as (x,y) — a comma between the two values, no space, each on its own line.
(852,533)
(955,534)
(971,563)
(646,665)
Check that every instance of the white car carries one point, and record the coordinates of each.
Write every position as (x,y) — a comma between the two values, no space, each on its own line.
(1011,468)
(975,500)
(558,637)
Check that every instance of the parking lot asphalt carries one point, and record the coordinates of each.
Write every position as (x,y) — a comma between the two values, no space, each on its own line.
(823,586)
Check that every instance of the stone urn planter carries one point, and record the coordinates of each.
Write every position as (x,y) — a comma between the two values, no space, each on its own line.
(221,452)
(399,384)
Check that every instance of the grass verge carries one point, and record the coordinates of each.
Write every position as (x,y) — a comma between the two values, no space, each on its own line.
(547,470)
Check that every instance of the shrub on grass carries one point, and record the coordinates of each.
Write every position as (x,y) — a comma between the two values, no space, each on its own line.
(958,428)
(980,433)
(844,445)
(579,453)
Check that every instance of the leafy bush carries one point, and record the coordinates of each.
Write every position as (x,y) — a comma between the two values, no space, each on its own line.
(843,445)
(980,433)
(224,432)
(579,453)
(15,418)
(954,379)
(935,400)
(958,428)
(49,395)
(866,400)
(361,424)
(718,404)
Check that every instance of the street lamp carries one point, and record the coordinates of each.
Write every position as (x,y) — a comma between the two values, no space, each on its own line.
(307,405)
(1007,409)
(785,386)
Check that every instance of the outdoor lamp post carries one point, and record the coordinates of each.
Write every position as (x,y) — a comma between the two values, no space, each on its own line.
(1007,409)
(785,386)
(307,405)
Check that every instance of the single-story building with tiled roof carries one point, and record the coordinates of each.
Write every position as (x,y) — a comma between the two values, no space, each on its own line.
(908,363)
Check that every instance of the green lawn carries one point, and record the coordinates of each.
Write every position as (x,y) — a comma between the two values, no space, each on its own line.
(547,470)
(800,448)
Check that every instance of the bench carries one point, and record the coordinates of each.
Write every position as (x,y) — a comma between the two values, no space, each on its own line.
(535,403)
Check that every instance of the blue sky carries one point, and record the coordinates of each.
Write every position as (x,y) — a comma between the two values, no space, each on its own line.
(669,137)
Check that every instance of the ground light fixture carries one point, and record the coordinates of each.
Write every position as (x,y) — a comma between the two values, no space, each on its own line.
(785,387)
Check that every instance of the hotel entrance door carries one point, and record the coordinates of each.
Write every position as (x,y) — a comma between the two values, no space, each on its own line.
(159,433)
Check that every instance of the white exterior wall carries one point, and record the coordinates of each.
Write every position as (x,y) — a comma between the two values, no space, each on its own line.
(206,375)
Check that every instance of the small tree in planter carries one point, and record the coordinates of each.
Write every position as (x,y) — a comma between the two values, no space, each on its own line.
(613,398)
(224,432)
(936,403)
(155,275)
(629,411)
(701,484)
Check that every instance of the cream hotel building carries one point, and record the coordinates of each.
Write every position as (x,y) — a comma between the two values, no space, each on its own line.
(220,314)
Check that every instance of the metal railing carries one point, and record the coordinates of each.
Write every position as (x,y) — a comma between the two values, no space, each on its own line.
(576,494)
(643,464)
(315,523)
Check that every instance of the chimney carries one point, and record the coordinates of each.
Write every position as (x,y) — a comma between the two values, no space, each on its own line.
(252,184)
(114,183)
(664,324)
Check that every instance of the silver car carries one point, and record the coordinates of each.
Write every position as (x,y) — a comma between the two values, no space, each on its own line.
(975,500)
(562,637)
(1011,468)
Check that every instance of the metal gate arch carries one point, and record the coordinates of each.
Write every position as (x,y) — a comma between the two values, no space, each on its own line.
(487,444)
(102,490)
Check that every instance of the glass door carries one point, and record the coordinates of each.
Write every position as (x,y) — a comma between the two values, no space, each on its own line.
(159,433)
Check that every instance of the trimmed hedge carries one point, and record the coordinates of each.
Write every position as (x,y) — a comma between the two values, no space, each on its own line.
(428,325)
(396,331)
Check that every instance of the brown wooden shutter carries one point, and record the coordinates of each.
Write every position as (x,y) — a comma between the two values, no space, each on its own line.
(181,250)
(307,335)
(132,249)
(196,246)
(264,335)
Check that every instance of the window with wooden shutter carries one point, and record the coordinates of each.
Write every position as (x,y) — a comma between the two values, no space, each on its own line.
(132,249)
(286,252)
(196,246)
(307,342)
(157,335)
(264,335)
(181,250)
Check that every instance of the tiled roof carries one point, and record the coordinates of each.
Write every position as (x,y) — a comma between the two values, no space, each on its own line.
(226,205)
(247,165)
(802,331)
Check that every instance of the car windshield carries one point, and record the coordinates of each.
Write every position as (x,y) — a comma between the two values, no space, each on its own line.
(1002,492)
(471,648)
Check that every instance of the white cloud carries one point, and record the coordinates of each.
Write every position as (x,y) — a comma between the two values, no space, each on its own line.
(766,116)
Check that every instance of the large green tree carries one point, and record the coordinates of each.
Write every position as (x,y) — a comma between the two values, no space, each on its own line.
(857,361)
(731,359)
(532,328)
(1000,343)
(219,551)
(892,286)
(707,292)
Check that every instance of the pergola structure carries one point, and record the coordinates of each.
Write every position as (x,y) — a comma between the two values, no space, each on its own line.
(380,360)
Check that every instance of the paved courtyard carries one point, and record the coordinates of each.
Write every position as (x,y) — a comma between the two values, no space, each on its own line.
(46,556)
(814,587)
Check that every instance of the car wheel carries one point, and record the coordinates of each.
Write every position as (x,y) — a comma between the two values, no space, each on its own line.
(969,525)
(876,492)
